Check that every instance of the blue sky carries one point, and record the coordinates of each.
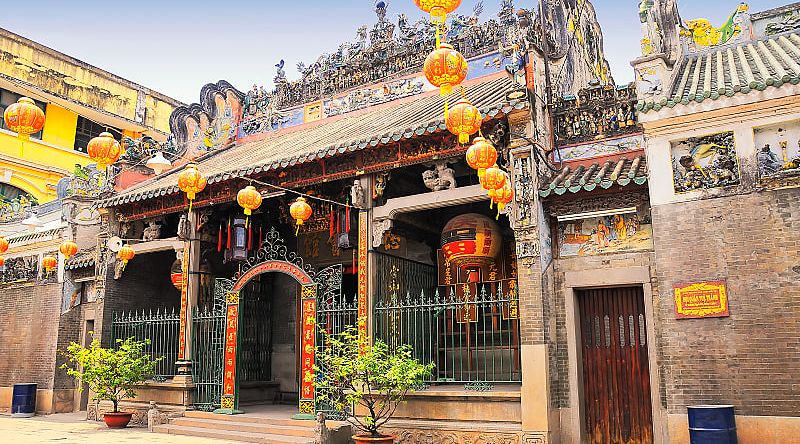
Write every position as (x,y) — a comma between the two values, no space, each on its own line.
(176,46)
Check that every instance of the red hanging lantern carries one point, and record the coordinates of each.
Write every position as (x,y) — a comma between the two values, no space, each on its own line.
(502,197)
(481,155)
(68,249)
(176,274)
(24,117)
(463,120)
(438,9)
(445,68)
(300,211)
(494,178)
(49,263)
(104,149)
(249,199)
(191,182)
(125,254)
(2,262)
(3,245)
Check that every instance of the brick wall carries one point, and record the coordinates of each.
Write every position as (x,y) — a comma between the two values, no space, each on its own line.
(29,333)
(752,358)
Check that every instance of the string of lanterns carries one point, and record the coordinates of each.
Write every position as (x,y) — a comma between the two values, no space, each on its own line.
(446,68)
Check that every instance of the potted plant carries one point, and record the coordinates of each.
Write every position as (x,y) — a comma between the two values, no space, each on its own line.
(111,373)
(368,382)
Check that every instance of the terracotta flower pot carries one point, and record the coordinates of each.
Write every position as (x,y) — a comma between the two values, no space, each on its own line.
(118,420)
(369,439)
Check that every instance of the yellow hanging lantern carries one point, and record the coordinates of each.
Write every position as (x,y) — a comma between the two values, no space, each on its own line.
(191,182)
(481,155)
(493,179)
(68,249)
(249,198)
(463,120)
(125,254)
(49,263)
(438,9)
(24,117)
(445,68)
(104,149)
(3,245)
(300,211)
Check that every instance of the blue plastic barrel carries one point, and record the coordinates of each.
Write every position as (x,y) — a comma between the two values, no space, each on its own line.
(712,424)
(23,402)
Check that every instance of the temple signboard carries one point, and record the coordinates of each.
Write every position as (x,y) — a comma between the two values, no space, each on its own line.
(701,300)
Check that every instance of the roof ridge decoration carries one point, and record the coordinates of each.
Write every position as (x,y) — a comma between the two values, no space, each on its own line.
(388,52)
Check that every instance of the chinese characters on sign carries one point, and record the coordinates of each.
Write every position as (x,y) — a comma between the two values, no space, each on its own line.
(309,313)
(184,303)
(231,332)
(701,300)
(363,239)
(284,267)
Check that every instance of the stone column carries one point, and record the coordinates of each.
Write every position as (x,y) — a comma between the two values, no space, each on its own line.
(191,264)
(535,395)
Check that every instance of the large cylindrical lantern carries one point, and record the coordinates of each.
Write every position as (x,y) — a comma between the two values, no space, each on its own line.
(481,155)
(445,68)
(68,249)
(49,263)
(300,211)
(438,9)
(24,117)
(104,149)
(191,182)
(125,254)
(471,240)
(249,198)
(3,245)
(463,120)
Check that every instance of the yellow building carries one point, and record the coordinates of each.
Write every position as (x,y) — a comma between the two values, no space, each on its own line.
(80,101)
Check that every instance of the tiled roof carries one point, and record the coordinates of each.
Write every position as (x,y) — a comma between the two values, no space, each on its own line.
(24,237)
(735,69)
(623,171)
(403,119)
(80,260)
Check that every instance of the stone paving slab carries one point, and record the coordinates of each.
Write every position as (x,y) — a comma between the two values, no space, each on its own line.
(72,428)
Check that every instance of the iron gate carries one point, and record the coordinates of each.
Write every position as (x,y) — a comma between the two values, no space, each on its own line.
(208,346)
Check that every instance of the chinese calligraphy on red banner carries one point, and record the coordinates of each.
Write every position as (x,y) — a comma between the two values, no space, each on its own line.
(363,239)
(184,302)
(309,316)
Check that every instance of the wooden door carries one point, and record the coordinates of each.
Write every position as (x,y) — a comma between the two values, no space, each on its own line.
(616,376)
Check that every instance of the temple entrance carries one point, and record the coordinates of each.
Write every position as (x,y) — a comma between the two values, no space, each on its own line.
(616,376)
(268,341)
(262,350)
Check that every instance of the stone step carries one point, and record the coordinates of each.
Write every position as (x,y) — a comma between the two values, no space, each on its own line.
(306,430)
(241,436)
(251,418)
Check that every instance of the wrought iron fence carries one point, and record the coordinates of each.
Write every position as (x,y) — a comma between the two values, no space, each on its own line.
(208,350)
(334,315)
(161,327)
(396,275)
(470,331)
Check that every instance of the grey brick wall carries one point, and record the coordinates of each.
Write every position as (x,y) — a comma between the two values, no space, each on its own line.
(752,358)
(29,333)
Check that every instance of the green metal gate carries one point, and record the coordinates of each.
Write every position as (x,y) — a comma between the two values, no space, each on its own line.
(208,349)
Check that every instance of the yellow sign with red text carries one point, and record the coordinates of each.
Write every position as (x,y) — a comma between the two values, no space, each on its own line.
(701,300)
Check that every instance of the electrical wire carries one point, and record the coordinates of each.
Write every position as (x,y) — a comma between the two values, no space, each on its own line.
(288,190)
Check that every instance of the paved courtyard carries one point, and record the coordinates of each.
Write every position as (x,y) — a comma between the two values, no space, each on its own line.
(73,428)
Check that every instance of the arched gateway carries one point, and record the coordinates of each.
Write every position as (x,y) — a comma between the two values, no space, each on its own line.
(316,287)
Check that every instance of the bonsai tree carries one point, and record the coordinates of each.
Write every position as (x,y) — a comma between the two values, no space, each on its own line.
(352,374)
(111,373)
